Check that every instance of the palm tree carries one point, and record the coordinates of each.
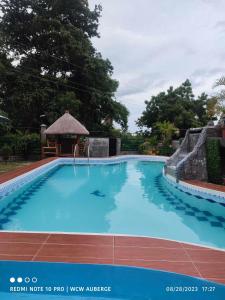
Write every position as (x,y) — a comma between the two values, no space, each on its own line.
(166,130)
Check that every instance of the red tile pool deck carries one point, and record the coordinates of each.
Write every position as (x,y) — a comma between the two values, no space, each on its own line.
(117,250)
(22,170)
(207,185)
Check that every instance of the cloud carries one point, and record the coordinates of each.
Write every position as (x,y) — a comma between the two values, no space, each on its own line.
(208,72)
(132,84)
(202,77)
(220,26)
(155,44)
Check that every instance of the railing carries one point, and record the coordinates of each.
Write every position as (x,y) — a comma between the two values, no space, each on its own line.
(88,153)
(74,153)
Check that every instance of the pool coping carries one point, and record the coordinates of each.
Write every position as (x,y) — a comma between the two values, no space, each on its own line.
(153,253)
(196,190)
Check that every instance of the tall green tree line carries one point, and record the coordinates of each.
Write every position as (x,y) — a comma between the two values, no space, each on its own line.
(48,64)
(178,106)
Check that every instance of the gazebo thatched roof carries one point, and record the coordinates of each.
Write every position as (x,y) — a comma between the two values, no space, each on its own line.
(67,124)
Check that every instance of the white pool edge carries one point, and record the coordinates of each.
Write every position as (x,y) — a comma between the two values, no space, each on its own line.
(195,190)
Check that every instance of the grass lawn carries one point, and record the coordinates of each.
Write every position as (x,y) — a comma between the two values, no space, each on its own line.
(12,165)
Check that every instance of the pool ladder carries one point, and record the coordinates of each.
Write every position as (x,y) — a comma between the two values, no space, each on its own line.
(88,153)
(74,154)
(75,151)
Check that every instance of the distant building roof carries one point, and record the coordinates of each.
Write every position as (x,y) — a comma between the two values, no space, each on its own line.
(67,124)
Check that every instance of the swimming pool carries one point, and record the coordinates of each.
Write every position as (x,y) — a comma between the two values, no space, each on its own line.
(37,281)
(123,198)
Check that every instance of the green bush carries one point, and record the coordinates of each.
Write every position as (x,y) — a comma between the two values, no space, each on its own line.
(30,144)
(149,145)
(152,146)
(6,151)
(165,150)
(214,164)
(131,142)
(24,144)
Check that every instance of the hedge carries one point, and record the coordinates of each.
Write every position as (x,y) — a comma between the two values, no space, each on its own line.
(22,144)
(131,143)
(214,163)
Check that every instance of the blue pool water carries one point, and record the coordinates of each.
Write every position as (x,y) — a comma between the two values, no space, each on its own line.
(126,198)
(77,281)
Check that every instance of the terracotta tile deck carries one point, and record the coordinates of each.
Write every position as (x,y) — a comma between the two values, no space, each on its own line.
(12,174)
(207,185)
(118,250)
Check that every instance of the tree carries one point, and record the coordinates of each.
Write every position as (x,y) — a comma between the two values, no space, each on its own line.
(177,106)
(213,108)
(221,95)
(166,131)
(6,151)
(4,123)
(52,64)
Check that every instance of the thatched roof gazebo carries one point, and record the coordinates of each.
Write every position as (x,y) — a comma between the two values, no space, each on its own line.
(63,135)
(67,124)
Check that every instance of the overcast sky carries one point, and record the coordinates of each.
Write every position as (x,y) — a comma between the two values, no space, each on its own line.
(153,44)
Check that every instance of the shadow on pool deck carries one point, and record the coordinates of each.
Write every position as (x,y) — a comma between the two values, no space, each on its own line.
(119,250)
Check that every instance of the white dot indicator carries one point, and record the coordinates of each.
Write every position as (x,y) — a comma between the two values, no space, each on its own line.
(34,279)
(19,279)
(12,279)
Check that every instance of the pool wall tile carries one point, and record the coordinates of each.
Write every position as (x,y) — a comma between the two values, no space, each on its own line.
(200,192)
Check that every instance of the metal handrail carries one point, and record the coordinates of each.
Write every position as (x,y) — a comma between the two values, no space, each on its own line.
(74,153)
(88,153)
(75,150)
